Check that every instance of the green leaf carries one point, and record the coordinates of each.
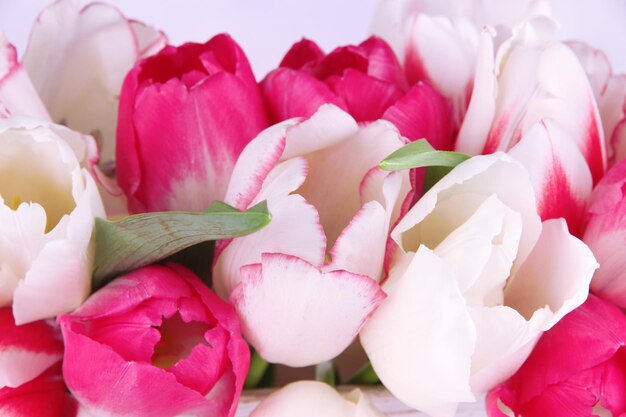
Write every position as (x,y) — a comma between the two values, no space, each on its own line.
(420,154)
(365,376)
(326,372)
(258,369)
(141,239)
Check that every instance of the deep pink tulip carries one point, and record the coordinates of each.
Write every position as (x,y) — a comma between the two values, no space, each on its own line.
(155,342)
(31,383)
(366,81)
(577,369)
(185,115)
(606,234)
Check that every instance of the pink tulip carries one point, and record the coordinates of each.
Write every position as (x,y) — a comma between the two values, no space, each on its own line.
(606,233)
(30,370)
(365,80)
(185,115)
(578,368)
(155,342)
(305,284)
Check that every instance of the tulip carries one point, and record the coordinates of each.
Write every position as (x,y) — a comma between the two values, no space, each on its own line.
(365,80)
(605,232)
(185,115)
(155,342)
(552,109)
(314,399)
(438,41)
(48,204)
(306,283)
(30,370)
(474,281)
(77,58)
(578,368)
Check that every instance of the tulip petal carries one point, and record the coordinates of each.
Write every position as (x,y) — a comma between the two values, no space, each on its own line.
(332,185)
(294,230)
(504,339)
(443,51)
(286,302)
(423,114)
(149,40)
(26,351)
(63,266)
(314,399)
(44,396)
(256,161)
(606,231)
(301,54)
(555,276)
(558,171)
(595,63)
(383,194)
(478,176)
(290,93)
(70,50)
(17,93)
(613,111)
(424,357)
(366,98)
(482,105)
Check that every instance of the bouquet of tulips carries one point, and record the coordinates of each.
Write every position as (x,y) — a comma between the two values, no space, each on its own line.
(445,200)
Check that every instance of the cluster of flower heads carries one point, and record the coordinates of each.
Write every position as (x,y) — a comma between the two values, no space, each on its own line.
(476,283)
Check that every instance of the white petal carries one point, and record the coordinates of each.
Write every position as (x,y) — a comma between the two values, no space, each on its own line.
(333,184)
(314,399)
(479,176)
(482,105)
(556,275)
(361,246)
(558,171)
(77,58)
(294,314)
(482,250)
(421,339)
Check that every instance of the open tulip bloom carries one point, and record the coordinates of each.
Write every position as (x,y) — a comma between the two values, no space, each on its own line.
(440,198)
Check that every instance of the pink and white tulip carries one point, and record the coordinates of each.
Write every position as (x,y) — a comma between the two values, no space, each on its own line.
(438,41)
(606,233)
(185,115)
(31,383)
(365,80)
(306,283)
(578,368)
(155,342)
(315,399)
(48,204)
(477,277)
(77,58)
(535,101)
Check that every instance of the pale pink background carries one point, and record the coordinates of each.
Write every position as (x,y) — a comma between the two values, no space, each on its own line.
(266,28)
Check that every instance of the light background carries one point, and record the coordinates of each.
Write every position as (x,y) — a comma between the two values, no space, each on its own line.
(266,28)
